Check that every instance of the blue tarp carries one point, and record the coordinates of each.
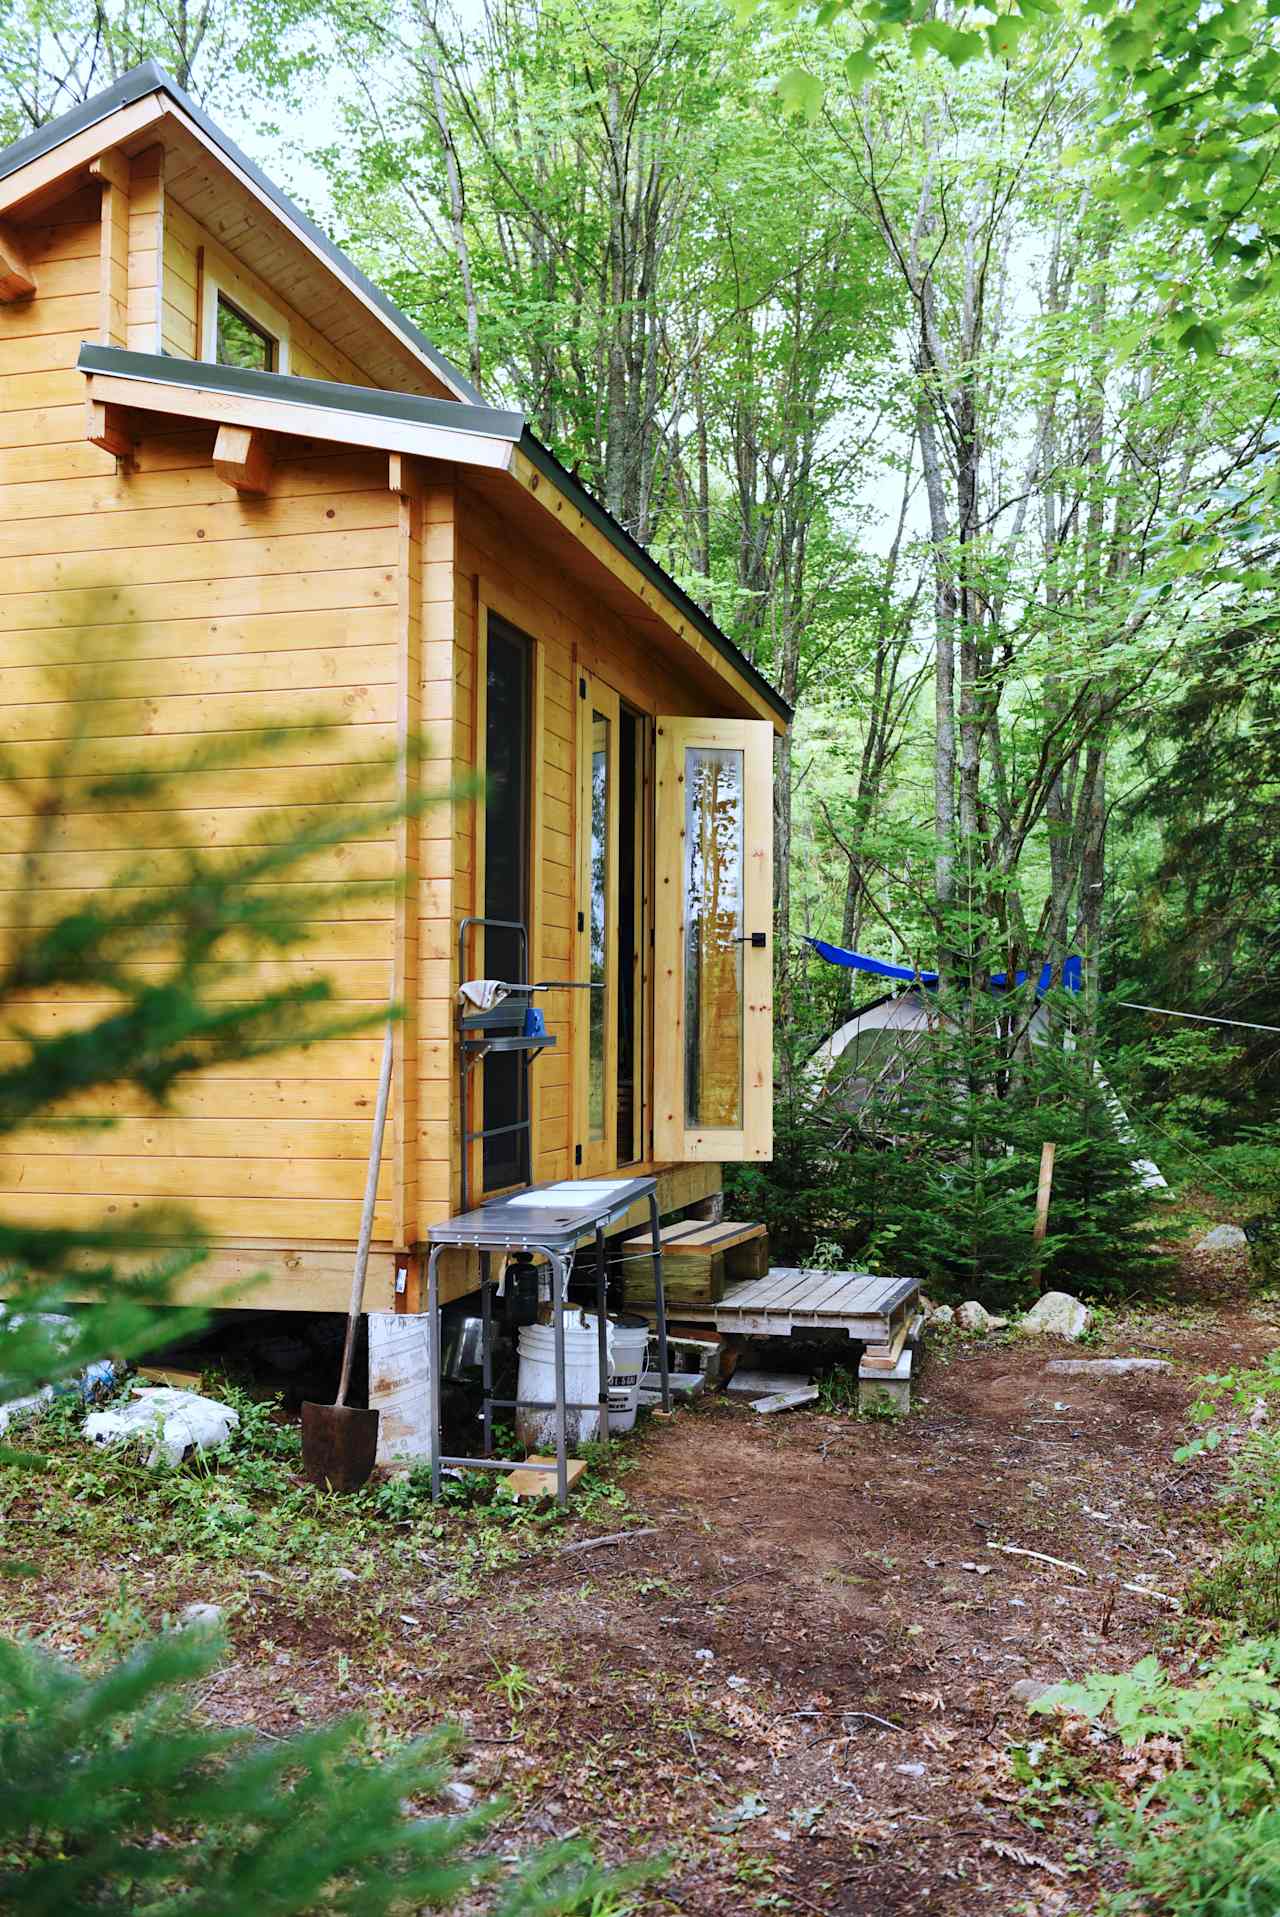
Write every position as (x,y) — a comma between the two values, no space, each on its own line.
(859,962)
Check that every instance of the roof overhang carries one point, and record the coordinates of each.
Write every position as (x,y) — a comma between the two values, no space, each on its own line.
(469,435)
(302,408)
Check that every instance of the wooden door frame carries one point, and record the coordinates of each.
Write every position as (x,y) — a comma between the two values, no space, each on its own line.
(674,1139)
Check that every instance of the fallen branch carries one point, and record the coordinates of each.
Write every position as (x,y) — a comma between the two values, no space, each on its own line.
(1078,1570)
(1042,1557)
(614,1537)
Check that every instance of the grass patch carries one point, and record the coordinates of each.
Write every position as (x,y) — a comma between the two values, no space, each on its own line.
(247,1511)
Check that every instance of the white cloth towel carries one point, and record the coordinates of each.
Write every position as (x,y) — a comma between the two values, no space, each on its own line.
(483,993)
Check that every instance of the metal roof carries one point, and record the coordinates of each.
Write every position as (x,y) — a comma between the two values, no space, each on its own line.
(479,418)
(324,395)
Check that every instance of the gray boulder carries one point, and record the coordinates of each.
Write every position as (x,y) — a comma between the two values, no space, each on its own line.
(971,1316)
(1224,1238)
(1057,1315)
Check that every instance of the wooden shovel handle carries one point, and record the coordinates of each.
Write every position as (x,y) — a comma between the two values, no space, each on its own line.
(366,1215)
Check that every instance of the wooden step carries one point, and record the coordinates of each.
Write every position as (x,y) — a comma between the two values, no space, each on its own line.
(698,1261)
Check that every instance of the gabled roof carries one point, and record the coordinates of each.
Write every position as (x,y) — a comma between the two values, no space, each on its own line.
(463,417)
(150,78)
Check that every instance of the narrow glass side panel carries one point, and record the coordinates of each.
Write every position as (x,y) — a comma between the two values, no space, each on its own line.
(597,930)
(713,909)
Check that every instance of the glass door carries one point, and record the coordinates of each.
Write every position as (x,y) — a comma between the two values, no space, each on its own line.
(596,1050)
(713,978)
(505,847)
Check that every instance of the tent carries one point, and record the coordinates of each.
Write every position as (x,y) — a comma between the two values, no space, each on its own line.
(872,1053)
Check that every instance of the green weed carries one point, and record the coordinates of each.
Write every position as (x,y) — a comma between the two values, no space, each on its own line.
(512,1683)
(1200,1826)
(248,1511)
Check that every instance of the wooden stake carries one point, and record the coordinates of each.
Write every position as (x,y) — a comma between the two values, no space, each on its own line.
(1043,1193)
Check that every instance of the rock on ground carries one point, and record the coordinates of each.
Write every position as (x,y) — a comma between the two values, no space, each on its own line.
(1057,1315)
(206,1616)
(1084,1367)
(1224,1238)
(1029,1690)
(972,1316)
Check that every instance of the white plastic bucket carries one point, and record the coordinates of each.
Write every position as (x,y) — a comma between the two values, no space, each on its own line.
(628,1352)
(537,1347)
(399,1370)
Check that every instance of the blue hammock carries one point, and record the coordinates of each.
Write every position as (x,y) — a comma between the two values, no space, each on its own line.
(858,962)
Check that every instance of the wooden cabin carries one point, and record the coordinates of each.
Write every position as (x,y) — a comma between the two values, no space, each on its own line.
(237,481)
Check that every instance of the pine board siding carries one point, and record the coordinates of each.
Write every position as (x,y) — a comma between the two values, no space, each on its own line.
(150,612)
(192,253)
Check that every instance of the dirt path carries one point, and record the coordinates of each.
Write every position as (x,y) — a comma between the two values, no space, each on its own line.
(799,1683)
(864,1636)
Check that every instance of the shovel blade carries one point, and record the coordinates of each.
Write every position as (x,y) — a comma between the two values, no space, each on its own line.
(339,1445)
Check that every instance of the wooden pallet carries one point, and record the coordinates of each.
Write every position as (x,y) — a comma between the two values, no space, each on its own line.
(699,1261)
(870,1309)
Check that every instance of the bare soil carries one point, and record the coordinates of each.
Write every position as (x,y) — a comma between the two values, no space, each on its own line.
(798,1684)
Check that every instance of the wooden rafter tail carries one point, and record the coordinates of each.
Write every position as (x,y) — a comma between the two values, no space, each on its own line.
(112,168)
(242,458)
(17,280)
(108,427)
(404,476)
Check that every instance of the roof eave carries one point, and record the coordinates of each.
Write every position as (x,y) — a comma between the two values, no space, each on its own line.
(305,409)
(645,563)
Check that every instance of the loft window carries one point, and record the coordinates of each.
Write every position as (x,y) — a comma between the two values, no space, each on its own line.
(242,342)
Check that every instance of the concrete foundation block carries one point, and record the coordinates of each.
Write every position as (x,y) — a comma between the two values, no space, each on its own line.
(885,1392)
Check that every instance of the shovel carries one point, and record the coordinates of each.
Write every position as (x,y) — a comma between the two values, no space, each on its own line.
(340,1441)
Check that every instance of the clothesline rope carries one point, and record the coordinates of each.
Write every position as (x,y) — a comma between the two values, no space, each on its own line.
(1200,1018)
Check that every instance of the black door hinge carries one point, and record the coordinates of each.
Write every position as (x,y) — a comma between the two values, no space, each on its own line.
(582,688)
(577,1154)
(582,923)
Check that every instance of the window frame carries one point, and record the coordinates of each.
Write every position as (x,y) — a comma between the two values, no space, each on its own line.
(491,602)
(599,1154)
(255,309)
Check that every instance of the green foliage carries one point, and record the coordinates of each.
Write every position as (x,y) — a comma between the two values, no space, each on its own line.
(1243,1585)
(1204,1839)
(1199,1830)
(114,1795)
(924,1160)
(97,1769)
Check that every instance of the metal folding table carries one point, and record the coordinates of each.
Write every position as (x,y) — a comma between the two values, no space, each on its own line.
(550,1221)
